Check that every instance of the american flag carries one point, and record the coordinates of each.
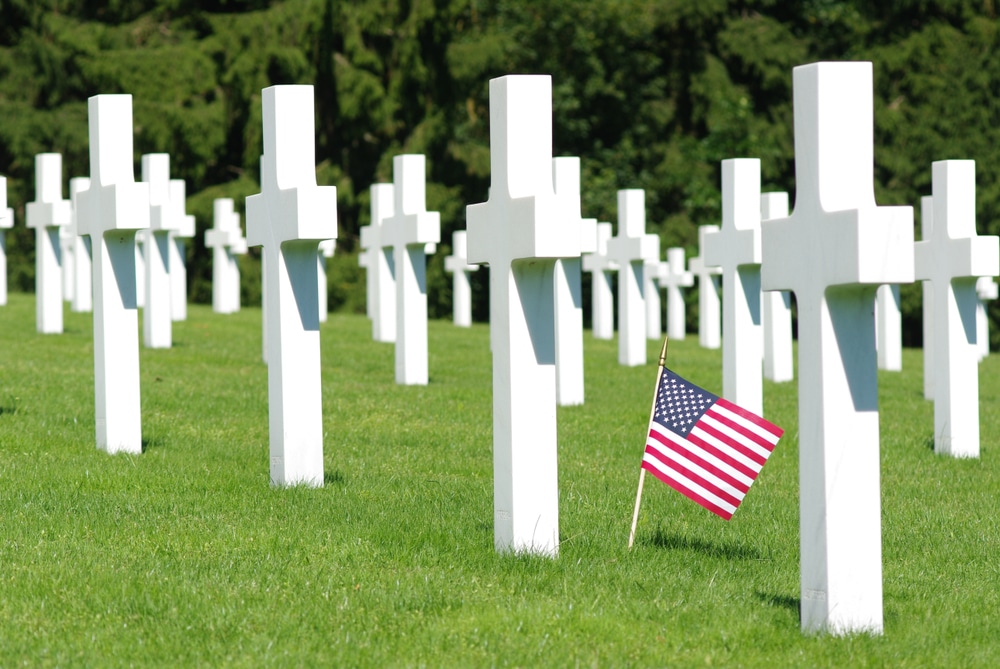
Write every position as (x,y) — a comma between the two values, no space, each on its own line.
(704,447)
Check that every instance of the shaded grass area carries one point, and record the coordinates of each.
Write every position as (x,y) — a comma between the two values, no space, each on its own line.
(185,554)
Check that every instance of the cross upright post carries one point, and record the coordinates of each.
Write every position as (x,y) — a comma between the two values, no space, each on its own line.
(602,298)
(289,217)
(777,307)
(381,268)
(461,293)
(48,214)
(178,250)
(520,231)
(709,301)
(327,248)
(736,249)
(568,303)
(110,212)
(832,252)
(927,301)
(952,259)
(409,230)
(6,222)
(652,270)
(631,249)
(674,277)
(986,291)
(888,328)
(83,291)
(157,322)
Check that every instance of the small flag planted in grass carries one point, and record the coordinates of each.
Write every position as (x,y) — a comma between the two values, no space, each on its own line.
(704,447)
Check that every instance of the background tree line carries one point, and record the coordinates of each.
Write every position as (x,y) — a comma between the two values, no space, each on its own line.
(650,94)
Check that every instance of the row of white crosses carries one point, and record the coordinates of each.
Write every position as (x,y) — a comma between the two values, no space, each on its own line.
(226,240)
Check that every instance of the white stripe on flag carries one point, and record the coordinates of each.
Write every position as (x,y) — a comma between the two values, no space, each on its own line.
(697,469)
(753,427)
(733,435)
(688,484)
(702,453)
(726,447)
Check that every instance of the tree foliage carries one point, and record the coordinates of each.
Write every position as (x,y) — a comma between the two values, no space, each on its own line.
(650,94)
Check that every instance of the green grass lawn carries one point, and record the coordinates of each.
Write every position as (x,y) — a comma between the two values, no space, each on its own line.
(186,556)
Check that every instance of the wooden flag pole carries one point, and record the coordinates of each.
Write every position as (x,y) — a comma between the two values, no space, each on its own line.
(642,472)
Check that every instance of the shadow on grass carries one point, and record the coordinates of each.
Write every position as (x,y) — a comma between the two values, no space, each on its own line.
(929,443)
(334,478)
(7,409)
(727,551)
(781,601)
(155,442)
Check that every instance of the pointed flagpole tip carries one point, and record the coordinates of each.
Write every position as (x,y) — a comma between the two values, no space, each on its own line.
(663,352)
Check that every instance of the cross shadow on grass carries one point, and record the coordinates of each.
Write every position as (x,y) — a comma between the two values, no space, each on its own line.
(793,604)
(7,409)
(154,442)
(729,551)
(334,478)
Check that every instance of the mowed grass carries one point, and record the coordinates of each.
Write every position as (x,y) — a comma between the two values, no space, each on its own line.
(186,555)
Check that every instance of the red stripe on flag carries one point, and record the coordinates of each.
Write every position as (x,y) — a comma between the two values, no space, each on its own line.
(684,450)
(767,426)
(724,495)
(722,455)
(732,443)
(742,430)
(690,494)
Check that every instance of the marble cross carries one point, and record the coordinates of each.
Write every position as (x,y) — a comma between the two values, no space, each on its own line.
(888,328)
(986,291)
(461,292)
(631,249)
(675,278)
(289,217)
(834,250)
(777,307)
(226,240)
(952,259)
(408,230)
(602,298)
(327,248)
(178,250)
(110,211)
(6,222)
(926,227)
(157,321)
(520,231)
(381,268)
(709,301)
(569,287)
(48,214)
(736,248)
(83,284)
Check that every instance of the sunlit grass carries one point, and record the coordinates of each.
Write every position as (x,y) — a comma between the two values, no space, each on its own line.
(185,555)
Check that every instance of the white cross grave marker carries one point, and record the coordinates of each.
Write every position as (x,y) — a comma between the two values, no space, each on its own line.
(651,271)
(568,285)
(461,292)
(327,248)
(926,226)
(631,249)
(777,306)
(289,217)
(111,211)
(520,231)
(157,322)
(674,277)
(226,241)
(986,290)
(736,249)
(602,298)
(381,268)
(834,250)
(140,267)
(888,328)
(67,250)
(709,302)
(83,289)
(408,230)
(178,250)
(47,215)
(6,222)
(952,258)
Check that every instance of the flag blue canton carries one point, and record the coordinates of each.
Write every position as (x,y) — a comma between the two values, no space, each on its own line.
(680,404)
